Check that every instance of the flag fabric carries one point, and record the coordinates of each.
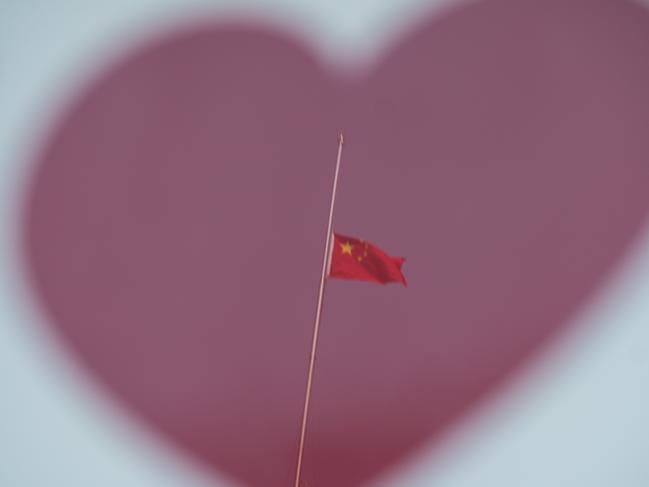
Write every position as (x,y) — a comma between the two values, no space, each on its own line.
(352,258)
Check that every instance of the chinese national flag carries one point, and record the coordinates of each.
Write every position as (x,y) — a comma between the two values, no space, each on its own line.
(352,258)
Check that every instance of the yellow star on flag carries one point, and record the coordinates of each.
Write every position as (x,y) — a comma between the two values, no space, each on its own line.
(346,248)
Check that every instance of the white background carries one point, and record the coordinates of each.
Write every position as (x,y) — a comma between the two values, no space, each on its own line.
(578,417)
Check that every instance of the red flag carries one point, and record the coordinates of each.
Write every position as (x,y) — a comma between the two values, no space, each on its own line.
(352,258)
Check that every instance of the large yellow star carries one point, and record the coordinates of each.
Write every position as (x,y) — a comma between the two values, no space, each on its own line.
(346,248)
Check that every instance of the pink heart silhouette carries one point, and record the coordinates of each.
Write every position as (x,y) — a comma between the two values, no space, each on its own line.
(175,223)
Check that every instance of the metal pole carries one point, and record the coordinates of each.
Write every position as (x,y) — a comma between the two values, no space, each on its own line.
(318,314)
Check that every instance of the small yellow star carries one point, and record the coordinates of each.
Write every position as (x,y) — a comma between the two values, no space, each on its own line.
(346,248)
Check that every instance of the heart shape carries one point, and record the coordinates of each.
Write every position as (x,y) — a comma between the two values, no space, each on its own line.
(175,222)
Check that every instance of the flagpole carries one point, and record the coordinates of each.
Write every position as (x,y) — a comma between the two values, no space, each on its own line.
(318,313)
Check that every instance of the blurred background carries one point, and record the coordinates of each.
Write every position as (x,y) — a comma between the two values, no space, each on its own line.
(575,415)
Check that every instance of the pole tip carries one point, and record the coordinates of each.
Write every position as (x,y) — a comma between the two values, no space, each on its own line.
(341,139)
